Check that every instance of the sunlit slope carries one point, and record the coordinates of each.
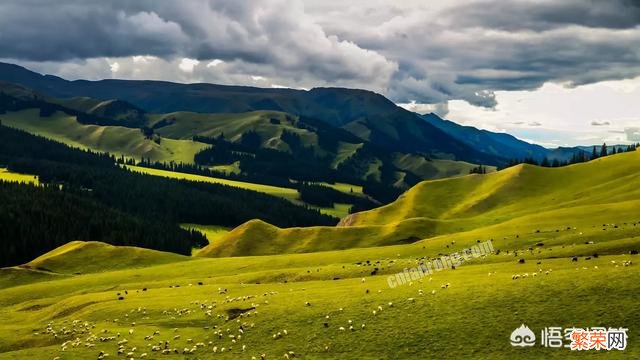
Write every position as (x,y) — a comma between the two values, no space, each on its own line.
(434,168)
(513,192)
(259,238)
(88,257)
(186,303)
(524,201)
(286,193)
(113,139)
(8,176)
(268,124)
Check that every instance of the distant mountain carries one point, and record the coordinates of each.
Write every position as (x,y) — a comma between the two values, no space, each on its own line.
(496,144)
(501,144)
(368,115)
(265,147)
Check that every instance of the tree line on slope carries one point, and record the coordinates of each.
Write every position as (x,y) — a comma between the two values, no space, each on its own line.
(156,203)
(579,157)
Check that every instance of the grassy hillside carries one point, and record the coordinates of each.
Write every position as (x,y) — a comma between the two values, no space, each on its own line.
(268,124)
(434,168)
(79,257)
(521,201)
(259,238)
(513,192)
(113,139)
(576,235)
(191,302)
(338,210)
(6,175)
(286,193)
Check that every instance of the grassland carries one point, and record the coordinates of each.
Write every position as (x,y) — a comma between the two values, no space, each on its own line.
(286,193)
(344,152)
(434,168)
(520,201)
(268,124)
(212,232)
(187,303)
(6,175)
(113,139)
(338,210)
(574,227)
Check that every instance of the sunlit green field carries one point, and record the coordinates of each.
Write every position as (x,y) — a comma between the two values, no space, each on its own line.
(6,175)
(116,140)
(576,228)
(338,210)
(286,300)
(521,201)
(286,193)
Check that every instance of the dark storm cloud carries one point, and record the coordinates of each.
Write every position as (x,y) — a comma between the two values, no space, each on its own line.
(410,51)
(546,14)
(64,30)
(272,34)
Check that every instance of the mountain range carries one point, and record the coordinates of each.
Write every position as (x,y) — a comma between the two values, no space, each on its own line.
(365,114)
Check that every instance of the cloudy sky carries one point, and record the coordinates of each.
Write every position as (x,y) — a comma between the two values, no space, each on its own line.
(552,72)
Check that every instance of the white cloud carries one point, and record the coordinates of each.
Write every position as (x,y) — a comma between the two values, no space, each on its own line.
(541,62)
(214,63)
(187,65)
(564,113)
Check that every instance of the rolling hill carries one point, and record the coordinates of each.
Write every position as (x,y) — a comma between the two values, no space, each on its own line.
(71,258)
(516,203)
(368,115)
(263,147)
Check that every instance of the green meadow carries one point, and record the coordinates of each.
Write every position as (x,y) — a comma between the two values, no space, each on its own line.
(6,175)
(116,140)
(338,210)
(257,291)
